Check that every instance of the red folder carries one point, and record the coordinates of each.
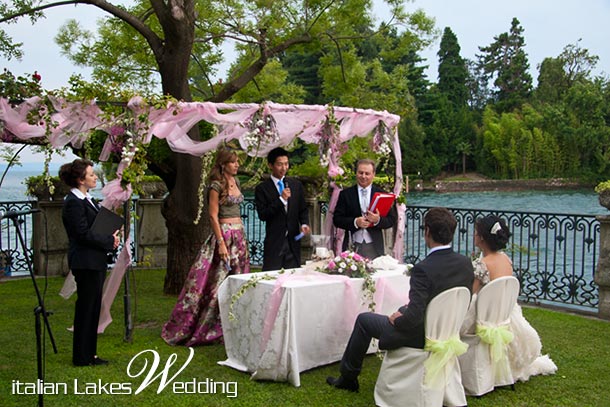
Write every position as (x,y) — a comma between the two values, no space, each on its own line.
(382,202)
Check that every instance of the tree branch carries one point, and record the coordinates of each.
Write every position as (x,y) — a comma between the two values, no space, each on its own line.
(149,35)
(37,9)
(257,66)
(340,57)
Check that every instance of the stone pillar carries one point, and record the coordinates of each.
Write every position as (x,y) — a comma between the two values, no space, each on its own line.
(151,234)
(602,272)
(49,240)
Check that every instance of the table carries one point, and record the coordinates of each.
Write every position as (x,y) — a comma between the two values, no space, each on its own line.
(309,317)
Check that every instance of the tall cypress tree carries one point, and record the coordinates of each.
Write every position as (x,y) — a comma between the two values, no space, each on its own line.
(452,71)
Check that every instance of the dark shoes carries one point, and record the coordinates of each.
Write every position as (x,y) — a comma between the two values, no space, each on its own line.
(343,383)
(99,361)
(96,362)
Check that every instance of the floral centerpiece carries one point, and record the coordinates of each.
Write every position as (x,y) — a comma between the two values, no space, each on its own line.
(349,264)
(353,265)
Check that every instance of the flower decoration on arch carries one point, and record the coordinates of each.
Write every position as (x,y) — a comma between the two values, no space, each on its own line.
(382,139)
(330,147)
(127,140)
(262,129)
(207,161)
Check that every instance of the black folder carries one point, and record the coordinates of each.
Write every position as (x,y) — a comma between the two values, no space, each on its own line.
(106,222)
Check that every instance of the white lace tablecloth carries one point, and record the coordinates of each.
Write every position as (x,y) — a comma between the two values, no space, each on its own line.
(310,323)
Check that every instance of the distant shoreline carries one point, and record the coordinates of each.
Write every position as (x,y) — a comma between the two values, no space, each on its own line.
(29,167)
(483,185)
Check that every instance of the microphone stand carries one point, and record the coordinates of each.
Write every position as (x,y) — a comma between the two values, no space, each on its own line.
(126,283)
(38,312)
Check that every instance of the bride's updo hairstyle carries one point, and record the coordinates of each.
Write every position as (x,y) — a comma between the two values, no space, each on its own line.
(71,173)
(493,230)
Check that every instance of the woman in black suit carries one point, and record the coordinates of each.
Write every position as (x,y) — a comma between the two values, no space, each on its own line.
(87,258)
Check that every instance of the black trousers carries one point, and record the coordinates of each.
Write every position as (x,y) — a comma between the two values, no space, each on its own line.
(89,289)
(368,325)
(289,260)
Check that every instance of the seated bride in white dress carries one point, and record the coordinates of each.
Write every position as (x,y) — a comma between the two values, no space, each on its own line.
(491,237)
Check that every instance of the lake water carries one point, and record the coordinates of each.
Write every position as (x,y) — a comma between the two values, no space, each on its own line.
(13,186)
(582,202)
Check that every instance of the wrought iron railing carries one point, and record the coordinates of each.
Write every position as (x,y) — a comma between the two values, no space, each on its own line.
(12,257)
(554,255)
(255,229)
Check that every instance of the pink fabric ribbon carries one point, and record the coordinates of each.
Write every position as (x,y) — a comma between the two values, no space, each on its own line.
(398,251)
(73,122)
(336,234)
(385,292)
(114,194)
(112,285)
(174,122)
(15,119)
(278,293)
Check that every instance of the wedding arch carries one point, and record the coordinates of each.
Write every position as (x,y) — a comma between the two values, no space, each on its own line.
(257,127)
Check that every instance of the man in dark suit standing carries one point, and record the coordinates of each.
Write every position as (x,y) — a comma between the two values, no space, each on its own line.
(362,227)
(280,203)
(441,270)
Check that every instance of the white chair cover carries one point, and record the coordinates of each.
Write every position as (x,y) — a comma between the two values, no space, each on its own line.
(404,378)
(485,366)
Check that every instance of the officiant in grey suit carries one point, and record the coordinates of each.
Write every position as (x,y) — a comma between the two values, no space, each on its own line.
(363,228)
(280,203)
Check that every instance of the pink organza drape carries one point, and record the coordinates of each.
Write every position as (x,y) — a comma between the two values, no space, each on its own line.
(71,123)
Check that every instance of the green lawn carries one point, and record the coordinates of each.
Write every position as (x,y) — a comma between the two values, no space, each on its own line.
(579,346)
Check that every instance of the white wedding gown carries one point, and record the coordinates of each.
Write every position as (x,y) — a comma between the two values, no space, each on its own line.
(524,351)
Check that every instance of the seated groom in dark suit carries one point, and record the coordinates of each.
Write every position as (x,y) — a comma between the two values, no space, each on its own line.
(441,270)
(280,203)
(362,227)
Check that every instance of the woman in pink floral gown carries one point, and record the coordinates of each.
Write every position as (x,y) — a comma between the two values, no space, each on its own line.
(195,319)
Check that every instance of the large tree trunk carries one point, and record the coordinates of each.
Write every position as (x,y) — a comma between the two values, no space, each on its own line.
(180,207)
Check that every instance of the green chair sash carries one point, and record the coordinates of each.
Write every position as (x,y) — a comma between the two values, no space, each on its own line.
(442,353)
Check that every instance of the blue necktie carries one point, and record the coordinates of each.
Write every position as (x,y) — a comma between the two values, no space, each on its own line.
(280,185)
